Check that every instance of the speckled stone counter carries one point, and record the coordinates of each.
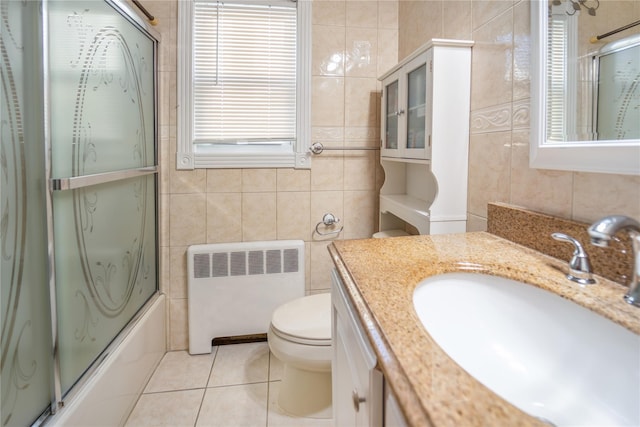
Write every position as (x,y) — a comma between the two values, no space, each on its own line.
(380,276)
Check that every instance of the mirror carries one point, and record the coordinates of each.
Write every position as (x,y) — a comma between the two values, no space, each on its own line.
(585,93)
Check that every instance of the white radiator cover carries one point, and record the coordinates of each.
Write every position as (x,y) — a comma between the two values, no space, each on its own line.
(233,288)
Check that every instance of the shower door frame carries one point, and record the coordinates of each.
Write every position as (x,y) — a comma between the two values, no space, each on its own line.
(63,184)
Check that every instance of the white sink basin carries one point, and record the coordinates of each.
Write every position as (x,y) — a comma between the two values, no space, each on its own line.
(545,355)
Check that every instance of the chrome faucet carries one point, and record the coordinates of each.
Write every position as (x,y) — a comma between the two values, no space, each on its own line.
(601,233)
(579,266)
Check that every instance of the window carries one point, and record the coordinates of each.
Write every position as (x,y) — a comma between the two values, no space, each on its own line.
(243,83)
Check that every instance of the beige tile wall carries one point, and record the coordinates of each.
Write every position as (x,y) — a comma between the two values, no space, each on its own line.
(353,43)
(499,143)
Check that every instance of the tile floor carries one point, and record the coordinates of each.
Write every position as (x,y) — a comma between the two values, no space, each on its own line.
(236,385)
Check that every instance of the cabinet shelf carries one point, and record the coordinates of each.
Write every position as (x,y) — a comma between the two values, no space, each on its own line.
(408,208)
(406,160)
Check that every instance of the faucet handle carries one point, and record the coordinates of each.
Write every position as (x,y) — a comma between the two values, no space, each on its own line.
(579,266)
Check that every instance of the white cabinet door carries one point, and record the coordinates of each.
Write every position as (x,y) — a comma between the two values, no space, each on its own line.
(345,382)
(357,385)
(392,414)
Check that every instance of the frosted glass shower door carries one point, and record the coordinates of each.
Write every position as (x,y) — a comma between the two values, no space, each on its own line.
(26,356)
(618,112)
(102,87)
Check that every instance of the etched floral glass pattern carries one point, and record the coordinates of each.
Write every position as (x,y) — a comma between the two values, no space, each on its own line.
(102,120)
(619,95)
(26,357)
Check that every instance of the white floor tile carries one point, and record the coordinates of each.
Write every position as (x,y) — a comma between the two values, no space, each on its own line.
(238,393)
(278,418)
(175,409)
(240,364)
(178,370)
(234,406)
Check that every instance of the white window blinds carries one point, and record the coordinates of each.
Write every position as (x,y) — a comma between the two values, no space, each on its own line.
(244,72)
(562,74)
(556,78)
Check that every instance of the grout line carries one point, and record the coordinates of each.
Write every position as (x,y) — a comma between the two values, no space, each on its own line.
(213,362)
(215,357)
(266,418)
(238,385)
(173,390)
(266,421)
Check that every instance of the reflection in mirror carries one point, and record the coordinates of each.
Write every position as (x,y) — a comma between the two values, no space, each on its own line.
(585,113)
(593,90)
(617,90)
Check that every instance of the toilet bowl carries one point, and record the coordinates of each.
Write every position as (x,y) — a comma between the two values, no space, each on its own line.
(300,337)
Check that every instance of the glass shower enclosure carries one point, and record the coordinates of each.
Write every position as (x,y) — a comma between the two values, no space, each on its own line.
(78,193)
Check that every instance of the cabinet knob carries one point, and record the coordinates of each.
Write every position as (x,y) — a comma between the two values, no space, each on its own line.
(399,112)
(357,400)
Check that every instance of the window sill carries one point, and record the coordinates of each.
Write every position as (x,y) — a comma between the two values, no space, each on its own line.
(234,157)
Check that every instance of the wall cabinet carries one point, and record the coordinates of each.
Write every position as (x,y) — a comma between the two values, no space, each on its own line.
(425,139)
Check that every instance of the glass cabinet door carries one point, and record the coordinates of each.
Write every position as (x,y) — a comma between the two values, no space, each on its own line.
(391,115)
(406,115)
(416,106)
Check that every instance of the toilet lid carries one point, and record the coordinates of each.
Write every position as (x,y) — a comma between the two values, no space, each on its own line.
(306,318)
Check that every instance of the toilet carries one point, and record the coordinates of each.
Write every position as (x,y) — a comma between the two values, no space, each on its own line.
(300,337)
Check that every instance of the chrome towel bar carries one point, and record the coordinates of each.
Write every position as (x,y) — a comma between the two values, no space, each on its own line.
(317,148)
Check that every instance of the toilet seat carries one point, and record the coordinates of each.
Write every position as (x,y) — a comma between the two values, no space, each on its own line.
(304,320)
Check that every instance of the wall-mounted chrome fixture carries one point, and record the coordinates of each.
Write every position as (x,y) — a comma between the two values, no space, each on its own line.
(576,5)
(318,148)
(329,220)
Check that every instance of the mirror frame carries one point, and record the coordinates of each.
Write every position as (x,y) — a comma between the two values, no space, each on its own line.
(612,156)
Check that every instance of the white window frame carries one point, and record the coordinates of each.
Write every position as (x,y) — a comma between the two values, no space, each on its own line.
(243,156)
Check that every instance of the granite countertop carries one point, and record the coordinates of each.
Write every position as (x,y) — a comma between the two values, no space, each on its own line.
(380,276)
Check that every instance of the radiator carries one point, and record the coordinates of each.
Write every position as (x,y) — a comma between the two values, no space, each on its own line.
(233,288)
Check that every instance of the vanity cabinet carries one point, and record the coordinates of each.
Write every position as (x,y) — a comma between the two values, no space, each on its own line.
(425,139)
(358,398)
(392,413)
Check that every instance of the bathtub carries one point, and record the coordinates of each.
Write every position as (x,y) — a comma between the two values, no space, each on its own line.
(108,395)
